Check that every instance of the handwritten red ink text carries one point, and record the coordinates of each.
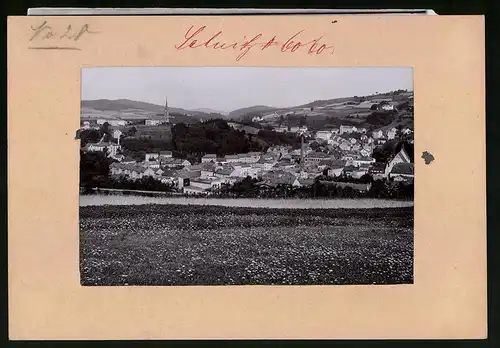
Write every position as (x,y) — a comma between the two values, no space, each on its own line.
(195,39)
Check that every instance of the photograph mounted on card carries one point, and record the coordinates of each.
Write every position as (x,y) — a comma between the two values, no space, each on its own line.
(278,169)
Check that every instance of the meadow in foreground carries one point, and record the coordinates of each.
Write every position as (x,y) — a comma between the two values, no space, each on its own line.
(214,245)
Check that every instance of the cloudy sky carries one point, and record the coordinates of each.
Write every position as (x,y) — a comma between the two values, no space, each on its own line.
(226,89)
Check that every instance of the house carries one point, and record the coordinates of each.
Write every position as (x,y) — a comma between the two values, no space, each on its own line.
(257,119)
(151,164)
(275,178)
(377,170)
(362,130)
(387,105)
(250,157)
(323,135)
(223,173)
(349,170)
(95,147)
(243,170)
(209,158)
(363,161)
(114,123)
(316,157)
(153,122)
(335,131)
(203,184)
(117,134)
(377,134)
(128,160)
(152,157)
(207,171)
(281,129)
(117,157)
(85,125)
(174,162)
(407,131)
(168,176)
(185,176)
(391,134)
(364,152)
(165,155)
(336,168)
(347,129)
(193,190)
(400,157)
(232,158)
(345,146)
(111,148)
(349,159)
(402,172)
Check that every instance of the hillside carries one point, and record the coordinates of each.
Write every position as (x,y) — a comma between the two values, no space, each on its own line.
(132,109)
(210,111)
(257,109)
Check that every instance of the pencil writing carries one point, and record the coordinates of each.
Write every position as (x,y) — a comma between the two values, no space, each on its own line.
(46,33)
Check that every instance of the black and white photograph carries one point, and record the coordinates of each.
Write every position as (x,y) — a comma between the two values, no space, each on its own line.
(246,176)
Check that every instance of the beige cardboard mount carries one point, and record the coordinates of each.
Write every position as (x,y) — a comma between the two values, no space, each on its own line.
(448,298)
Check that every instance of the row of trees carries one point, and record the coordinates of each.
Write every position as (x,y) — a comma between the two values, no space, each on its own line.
(250,188)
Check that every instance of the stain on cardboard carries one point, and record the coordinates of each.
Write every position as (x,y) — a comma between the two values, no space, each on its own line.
(428,157)
(77,134)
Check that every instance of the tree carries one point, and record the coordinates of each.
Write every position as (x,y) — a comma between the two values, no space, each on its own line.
(105,128)
(302,121)
(94,168)
(132,131)
(89,136)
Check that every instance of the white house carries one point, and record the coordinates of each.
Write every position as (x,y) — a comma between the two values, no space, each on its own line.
(152,157)
(117,134)
(209,158)
(347,129)
(250,157)
(111,148)
(257,119)
(377,134)
(153,122)
(114,123)
(165,154)
(194,190)
(205,184)
(391,134)
(281,129)
(363,161)
(323,135)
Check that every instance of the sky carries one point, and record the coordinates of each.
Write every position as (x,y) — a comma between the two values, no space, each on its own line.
(229,88)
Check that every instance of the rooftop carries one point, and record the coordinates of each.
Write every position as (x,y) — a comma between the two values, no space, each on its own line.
(403,168)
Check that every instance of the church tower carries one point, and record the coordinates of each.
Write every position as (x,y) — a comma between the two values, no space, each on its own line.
(166,111)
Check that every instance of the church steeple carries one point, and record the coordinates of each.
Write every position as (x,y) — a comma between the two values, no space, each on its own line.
(166,112)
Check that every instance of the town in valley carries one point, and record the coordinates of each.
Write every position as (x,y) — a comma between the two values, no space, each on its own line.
(352,146)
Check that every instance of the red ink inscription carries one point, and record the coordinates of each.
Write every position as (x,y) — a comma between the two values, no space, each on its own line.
(196,38)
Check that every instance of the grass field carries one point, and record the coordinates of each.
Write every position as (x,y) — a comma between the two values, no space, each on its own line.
(214,245)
